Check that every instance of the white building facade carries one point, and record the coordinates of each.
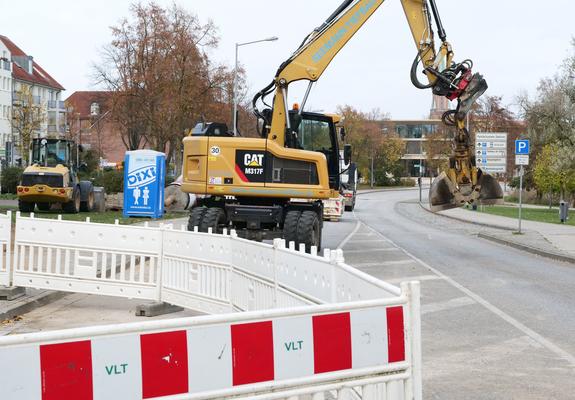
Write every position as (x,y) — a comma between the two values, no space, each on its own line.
(30,84)
(5,97)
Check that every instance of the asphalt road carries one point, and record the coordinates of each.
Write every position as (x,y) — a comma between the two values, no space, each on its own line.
(497,323)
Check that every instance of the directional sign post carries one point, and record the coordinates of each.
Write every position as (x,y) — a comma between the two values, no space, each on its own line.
(491,152)
(521,158)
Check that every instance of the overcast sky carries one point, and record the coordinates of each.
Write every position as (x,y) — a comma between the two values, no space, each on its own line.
(514,43)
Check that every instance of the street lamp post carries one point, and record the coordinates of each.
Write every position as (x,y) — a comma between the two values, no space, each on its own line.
(235,83)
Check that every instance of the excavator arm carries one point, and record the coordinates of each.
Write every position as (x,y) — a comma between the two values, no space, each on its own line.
(463,181)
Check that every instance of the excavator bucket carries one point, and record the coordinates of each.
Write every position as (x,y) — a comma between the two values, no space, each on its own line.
(441,196)
(444,194)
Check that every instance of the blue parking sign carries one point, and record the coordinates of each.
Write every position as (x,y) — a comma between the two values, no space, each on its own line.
(522,147)
(144,177)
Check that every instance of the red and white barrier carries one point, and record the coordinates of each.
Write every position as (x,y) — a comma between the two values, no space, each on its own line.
(213,356)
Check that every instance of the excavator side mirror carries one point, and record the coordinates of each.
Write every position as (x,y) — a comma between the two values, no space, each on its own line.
(342,133)
(347,154)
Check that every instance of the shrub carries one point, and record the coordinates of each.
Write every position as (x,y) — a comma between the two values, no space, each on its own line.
(111,180)
(11,177)
(408,182)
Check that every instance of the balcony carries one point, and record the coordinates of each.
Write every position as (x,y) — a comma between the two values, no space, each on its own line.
(19,97)
(56,105)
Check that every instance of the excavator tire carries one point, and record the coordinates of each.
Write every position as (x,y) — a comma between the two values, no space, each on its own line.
(87,192)
(73,206)
(24,206)
(309,230)
(214,218)
(196,217)
(290,226)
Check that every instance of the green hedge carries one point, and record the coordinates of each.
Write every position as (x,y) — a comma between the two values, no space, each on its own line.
(111,180)
(11,177)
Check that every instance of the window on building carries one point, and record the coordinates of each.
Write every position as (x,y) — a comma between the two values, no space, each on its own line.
(413,147)
(414,131)
(94,109)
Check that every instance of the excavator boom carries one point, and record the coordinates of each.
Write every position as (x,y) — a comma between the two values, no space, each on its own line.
(463,182)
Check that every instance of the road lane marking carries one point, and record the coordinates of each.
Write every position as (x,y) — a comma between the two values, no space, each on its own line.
(385,249)
(382,263)
(420,278)
(501,314)
(366,241)
(446,305)
(348,237)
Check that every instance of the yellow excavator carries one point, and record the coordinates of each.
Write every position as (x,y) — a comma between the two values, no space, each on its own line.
(273,186)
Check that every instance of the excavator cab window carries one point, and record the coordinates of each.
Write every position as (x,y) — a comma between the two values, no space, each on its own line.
(317,132)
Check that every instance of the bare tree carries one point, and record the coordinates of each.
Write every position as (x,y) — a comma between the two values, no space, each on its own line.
(158,67)
(28,116)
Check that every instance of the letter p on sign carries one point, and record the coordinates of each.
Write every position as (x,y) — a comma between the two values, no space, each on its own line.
(522,147)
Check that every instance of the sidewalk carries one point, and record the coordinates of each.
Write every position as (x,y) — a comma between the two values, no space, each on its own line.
(555,240)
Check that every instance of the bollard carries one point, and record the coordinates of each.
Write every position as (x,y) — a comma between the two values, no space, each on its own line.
(563,211)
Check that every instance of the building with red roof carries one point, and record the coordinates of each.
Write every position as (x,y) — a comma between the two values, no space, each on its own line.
(30,83)
(90,123)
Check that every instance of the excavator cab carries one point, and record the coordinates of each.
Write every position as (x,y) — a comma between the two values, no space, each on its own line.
(317,132)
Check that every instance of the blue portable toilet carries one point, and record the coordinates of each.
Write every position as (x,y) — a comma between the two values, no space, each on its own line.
(144,178)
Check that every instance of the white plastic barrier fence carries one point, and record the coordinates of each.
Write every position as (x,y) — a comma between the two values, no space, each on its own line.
(84,257)
(368,349)
(207,272)
(5,250)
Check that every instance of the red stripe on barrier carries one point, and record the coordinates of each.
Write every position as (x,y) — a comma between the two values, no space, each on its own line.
(395,335)
(66,371)
(164,364)
(252,353)
(331,342)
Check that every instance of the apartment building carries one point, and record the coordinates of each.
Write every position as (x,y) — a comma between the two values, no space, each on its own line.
(5,97)
(32,87)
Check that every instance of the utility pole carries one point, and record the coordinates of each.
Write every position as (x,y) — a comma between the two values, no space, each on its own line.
(371,177)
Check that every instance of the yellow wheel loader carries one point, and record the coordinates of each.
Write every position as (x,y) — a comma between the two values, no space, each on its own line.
(53,178)
(251,184)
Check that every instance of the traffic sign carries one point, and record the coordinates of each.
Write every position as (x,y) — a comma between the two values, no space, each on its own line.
(521,159)
(491,151)
(522,147)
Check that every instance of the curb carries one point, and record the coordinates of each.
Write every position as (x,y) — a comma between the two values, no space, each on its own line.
(529,249)
(504,228)
(32,304)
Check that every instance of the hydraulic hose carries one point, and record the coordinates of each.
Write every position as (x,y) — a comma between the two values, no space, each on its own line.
(413,75)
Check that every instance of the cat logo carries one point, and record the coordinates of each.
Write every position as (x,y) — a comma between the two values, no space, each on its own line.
(253,160)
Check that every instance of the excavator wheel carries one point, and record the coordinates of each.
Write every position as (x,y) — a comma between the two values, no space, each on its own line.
(309,230)
(24,206)
(214,218)
(73,206)
(88,205)
(196,217)
(290,226)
